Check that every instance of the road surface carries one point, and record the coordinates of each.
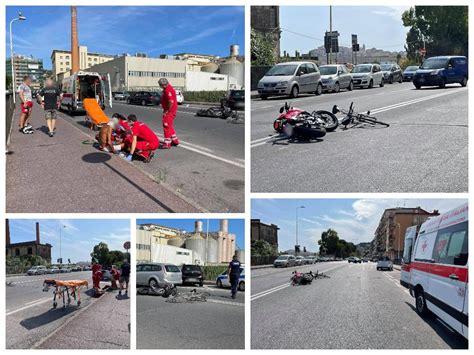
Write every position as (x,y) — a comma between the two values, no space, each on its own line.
(425,149)
(358,307)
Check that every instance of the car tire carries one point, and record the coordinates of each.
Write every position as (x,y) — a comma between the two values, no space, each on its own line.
(442,83)
(319,90)
(371,84)
(219,284)
(241,286)
(337,88)
(128,102)
(201,284)
(417,86)
(351,86)
(382,83)
(263,97)
(390,80)
(420,303)
(401,79)
(143,103)
(463,82)
(294,92)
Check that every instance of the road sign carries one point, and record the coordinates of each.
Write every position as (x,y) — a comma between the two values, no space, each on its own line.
(423,51)
(126,245)
(331,41)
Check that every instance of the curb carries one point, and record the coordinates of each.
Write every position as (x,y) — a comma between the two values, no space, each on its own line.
(261,267)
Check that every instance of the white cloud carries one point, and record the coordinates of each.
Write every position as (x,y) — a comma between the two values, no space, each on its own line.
(394,12)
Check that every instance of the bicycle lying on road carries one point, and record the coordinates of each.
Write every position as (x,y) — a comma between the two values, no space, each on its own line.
(305,278)
(190,296)
(355,118)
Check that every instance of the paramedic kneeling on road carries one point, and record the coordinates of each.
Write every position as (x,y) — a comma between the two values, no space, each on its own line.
(143,140)
(234,275)
(170,107)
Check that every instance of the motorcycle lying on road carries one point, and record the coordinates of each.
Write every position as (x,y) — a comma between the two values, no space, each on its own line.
(218,112)
(355,118)
(162,289)
(305,278)
(296,123)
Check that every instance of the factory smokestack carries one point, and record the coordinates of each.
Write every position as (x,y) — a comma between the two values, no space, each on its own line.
(74,42)
(37,233)
(7,232)
(198,226)
(224,225)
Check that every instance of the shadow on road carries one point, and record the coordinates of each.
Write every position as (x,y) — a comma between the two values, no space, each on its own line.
(122,297)
(453,339)
(427,88)
(47,317)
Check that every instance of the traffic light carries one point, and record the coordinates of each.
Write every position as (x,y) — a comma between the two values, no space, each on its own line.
(297,249)
(355,47)
(68,261)
(304,249)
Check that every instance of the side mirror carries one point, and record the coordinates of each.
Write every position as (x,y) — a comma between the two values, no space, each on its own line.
(282,109)
(335,109)
(300,73)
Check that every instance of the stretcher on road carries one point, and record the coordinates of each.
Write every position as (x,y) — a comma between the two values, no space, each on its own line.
(65,288)
(94,112)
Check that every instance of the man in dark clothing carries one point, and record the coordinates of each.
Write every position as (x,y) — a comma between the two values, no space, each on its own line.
(233,273)
(124,276)
(49,96)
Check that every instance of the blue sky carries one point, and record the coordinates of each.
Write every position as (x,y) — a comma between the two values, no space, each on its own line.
(78,238)
(236,226)
(115,30)
(379,27)
(355,220)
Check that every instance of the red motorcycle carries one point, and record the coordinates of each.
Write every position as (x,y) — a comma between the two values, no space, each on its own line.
(300,124)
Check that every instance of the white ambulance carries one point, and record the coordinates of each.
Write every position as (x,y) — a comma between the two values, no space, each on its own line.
(439,269)
(405,272)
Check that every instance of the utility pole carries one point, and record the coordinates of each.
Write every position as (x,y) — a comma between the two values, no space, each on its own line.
(330,32)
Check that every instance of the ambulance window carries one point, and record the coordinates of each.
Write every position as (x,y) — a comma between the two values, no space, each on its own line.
(457,250)
(441,246)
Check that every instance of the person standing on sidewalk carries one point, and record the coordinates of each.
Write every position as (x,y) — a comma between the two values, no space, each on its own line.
(26,105)
(50,100)
(233,273)
(170,107)
(124,276)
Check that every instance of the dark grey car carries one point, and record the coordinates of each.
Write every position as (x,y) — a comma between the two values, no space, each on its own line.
(392,73)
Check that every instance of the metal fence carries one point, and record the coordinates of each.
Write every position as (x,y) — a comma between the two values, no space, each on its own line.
(256,73)
(256,260)
(10,111)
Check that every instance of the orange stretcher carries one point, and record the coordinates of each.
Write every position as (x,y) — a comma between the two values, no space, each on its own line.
(94,112)
(63,288)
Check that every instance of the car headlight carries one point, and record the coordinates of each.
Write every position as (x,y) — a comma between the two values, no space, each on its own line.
(283,83)
(435,72)
(260,85)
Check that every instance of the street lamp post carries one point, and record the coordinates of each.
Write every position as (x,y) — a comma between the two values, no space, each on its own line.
(60,251)
(19,18)
(398,251)
(297,224)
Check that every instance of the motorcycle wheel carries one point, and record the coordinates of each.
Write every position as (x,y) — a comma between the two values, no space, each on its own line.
(277,126)
(313,132)
(331,120)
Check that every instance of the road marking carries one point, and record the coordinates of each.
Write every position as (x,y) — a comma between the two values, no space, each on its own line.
(261,141)
(187,143)
(229,303)
(37,302)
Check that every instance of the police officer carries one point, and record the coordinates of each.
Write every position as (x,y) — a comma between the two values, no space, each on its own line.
(233,272)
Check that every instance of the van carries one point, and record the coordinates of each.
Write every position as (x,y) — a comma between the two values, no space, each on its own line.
(85,85)
(439,269)
(439,71)
(292,79)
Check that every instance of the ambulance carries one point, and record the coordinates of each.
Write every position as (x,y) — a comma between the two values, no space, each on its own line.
(439,269)
(410,238)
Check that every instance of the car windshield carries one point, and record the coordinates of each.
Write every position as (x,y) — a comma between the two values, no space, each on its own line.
(191,268)
(411,68)
(171,268)
(434,63)
(386,66)
(385,258)
(362,69)
(281,70)
(238,93)
(282,257)
(329,70)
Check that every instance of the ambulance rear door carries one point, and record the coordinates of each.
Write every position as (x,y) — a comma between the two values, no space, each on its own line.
(107,89)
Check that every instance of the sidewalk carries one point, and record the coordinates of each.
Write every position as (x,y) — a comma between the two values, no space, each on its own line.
(63,175)
(105,324)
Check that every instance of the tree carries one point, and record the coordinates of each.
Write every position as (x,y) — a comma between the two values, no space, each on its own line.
(328,242)
(444,30)
(8,82)
(100,254)
(262,46)
(263,248)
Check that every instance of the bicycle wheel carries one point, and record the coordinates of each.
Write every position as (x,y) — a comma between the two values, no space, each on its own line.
(372,120)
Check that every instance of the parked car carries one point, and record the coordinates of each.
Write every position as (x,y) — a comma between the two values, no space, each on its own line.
(144,98)
(309,260)
(106,275)
(65,269)
(192,274)
(292,79)
(152,274)
(300,260)
(439,71)
(392,73)
(223,280)
(439,269)
(350,259)
(121,95)
(385,263)
(76,268)
(409,72)
(86,268)
(179,97)
(37,270)
(284,261)
(52,270)
(335,77)
(367,75)
(234,99)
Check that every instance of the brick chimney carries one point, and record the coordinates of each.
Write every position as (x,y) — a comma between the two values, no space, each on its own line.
(74,42)
(7,232)
(37,233)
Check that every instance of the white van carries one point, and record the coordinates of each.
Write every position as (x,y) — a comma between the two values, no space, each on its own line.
(83,85)
(439,269)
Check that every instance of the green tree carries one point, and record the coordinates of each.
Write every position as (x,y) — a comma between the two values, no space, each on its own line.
(443,28)
(101,254)
(263,248)
(8,82)
(328,242)
(21,264)
(262,47)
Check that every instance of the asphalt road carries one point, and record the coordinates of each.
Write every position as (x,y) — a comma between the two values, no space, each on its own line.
(358,307)
(31,321)
(218,323)
(207,168)
(425,149)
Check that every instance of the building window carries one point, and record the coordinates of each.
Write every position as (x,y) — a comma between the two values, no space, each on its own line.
(30,251)
(67,63)
(17,252)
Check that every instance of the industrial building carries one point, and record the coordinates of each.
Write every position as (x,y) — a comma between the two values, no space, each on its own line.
(156,243)
(33,247)
(262,231)
(26,66)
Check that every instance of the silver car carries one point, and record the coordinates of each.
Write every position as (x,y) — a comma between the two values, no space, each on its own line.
(152,274)
(284,261)
(367,75)
(336,77)
(292,78)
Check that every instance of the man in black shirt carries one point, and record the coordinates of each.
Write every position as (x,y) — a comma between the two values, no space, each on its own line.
(50,96)
(233,272)
(124,276)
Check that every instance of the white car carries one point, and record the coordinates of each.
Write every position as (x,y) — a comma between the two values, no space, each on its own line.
(367,75)
(385,263)
(179,97)
(37,270)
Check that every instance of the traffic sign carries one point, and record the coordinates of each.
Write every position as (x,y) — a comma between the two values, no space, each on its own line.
(126,245)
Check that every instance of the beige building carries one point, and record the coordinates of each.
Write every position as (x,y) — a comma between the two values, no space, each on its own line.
(151,234)
(61,61)
(28,248)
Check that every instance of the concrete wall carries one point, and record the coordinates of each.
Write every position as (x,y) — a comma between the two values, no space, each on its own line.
(204,81)
(170,254)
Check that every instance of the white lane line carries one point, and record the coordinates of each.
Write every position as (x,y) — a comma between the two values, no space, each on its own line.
(189,144)
(43,300)
(261,141)
(229,303)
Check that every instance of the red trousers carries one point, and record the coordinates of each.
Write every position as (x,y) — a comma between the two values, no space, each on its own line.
(168,129)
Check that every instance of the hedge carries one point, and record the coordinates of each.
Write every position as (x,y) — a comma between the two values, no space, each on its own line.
(204,96)
(212,271)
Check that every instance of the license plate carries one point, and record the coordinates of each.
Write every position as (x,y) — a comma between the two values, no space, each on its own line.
(422,80)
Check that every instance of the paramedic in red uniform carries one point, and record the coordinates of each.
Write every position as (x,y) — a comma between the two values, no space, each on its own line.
(96,275)
(170,107)
(142,141)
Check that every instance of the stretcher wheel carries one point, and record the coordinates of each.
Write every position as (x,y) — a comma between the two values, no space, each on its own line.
(78,303)
(55,304)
